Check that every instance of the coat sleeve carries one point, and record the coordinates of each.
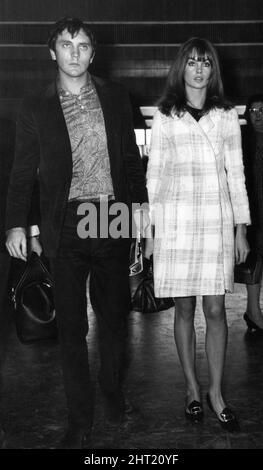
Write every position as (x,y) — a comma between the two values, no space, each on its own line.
(24,171)
(134,168)
(235,170)
(155,163)
(34,211)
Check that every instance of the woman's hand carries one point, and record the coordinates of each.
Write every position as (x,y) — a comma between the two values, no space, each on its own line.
(241,245)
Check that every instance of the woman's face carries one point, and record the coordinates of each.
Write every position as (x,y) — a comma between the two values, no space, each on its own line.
(197,71)
(256,115)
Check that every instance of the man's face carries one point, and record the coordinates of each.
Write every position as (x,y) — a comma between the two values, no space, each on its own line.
(73,55)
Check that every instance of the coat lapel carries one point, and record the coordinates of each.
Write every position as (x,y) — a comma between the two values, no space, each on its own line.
(204,126)
(110,118)
(207,126)
(55,124)
(207,123)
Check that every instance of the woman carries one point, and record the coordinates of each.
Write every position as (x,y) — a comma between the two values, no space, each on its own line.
(197,195)
(253,153)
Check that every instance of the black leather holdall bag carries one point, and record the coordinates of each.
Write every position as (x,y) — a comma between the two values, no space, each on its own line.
(32,296)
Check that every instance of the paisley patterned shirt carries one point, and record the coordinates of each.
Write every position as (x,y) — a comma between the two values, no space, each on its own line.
(91,176)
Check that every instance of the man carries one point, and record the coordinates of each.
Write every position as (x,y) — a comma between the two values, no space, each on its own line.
(78,134)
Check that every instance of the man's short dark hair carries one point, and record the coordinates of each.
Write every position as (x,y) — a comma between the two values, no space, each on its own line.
(73,26)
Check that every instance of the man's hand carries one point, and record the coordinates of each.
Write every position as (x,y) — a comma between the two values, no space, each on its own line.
(149,245)
(34,245)
(16,243)
(142,221)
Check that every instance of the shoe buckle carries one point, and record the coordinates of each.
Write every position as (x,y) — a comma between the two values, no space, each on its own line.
(227,416)
(196,410)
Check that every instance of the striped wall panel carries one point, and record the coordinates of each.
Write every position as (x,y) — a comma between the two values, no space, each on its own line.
(138,41)
(245,32)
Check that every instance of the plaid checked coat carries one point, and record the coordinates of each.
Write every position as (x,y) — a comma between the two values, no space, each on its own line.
(197,194)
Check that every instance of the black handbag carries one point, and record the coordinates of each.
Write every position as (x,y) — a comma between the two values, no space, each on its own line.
(250,271)
(141,284)
(32,296)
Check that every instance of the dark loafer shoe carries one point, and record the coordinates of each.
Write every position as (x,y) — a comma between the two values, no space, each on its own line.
(194,411)
(226,418)
(252,325)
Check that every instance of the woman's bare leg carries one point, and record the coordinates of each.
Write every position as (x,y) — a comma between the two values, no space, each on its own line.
(185,339)
(216,343)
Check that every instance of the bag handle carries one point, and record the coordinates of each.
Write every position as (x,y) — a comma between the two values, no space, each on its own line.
(33,258)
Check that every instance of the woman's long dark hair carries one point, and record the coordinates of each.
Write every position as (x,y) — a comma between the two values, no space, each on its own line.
(174,94)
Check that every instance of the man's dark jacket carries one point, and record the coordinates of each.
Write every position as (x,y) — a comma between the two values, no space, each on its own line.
(7,147)
(42,141)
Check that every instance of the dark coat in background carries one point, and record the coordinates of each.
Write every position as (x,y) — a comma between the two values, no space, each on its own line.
(253,163)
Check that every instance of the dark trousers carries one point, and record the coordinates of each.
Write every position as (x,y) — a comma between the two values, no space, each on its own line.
(5,316)
(5,310)
(107,262)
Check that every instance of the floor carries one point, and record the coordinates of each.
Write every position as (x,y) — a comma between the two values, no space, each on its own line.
(34,403)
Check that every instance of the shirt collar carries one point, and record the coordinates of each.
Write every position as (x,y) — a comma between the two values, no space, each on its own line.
(63,93)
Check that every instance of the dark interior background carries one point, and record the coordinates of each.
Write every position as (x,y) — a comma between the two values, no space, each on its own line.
(137,41)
